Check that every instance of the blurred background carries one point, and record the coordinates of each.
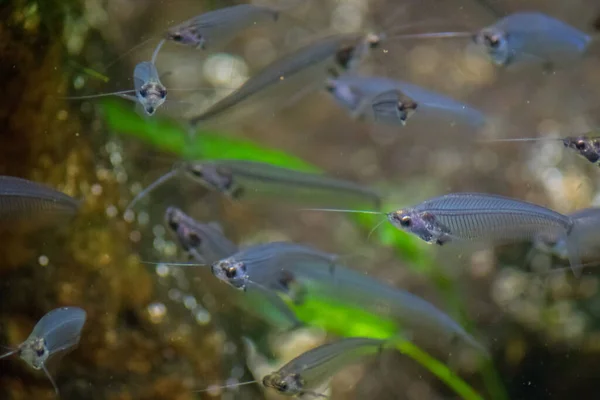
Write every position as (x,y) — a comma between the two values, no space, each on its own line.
(153,332)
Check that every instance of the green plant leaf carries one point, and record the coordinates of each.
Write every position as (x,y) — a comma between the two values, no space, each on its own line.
(172,137)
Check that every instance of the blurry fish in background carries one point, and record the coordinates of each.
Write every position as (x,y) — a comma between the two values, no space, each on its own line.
(149,92)
(478,217)
(523,38)
(310,64)
(297,272)
(387,101)
(587,146)
(30,202)
(55,334)
(238,179)
(587,224)
(215,28)
(310,370)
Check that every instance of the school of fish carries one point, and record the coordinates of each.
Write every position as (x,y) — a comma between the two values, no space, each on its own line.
(284,273)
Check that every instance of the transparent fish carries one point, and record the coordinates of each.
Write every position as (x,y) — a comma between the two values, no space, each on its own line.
(214,28)
(239,179)
(392,102)
(524,37)
(25,200)
(205,242)
(313,62)
(481,217)
(149,93)
(56,333)
(532,36)
(311,369)
(219,26)
(321,273)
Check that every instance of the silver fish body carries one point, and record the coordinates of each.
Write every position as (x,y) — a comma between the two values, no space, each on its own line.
(220,26)
(314,367)
(371,97)
(149,90)
(23,199)
(326,277)
(307,65)
(476,216)
(238,179)
(532,36)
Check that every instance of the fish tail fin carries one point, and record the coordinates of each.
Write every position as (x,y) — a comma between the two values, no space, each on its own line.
(572,241)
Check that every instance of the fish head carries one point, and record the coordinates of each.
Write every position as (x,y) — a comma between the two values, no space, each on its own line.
(393,106)
(34,352)
(585,146)
(420,223)
(406,108)
(214,177)
(188,236)
(151,96)
(495,42)
(173,217)
(187,36)
(290,384)
(232,272)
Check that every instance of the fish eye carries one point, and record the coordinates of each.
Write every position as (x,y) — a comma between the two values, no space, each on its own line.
(283,386)
(163,93)
(194,239)
(231,272)
(409,105)
(492,41)
(143,92)
(580,145)
(173,225)
(178,37)
(197,172)
(405,221)
(40,352)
